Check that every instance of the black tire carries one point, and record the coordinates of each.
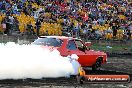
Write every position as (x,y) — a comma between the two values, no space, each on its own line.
(96,65)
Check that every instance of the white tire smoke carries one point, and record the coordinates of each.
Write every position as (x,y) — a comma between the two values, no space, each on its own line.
(32,61)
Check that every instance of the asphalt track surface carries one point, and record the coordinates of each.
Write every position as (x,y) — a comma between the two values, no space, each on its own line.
(116,65)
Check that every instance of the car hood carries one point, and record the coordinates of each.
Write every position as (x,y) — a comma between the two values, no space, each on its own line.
(98,52)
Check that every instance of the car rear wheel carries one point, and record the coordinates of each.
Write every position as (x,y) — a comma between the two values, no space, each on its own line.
(97,64)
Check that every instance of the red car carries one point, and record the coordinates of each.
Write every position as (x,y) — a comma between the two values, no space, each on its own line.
(68,45)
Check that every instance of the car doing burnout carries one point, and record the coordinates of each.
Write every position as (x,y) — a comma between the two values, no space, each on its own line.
(69,45)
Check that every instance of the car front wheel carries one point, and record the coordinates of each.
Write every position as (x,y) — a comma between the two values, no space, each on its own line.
(97,64)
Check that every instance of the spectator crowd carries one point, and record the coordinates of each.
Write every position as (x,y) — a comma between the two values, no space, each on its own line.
(89,19)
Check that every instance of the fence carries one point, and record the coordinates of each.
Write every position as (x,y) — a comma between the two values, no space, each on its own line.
(26,39)
(30,38)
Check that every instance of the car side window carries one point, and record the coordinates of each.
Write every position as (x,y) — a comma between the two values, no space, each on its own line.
(80,45)
(71,45)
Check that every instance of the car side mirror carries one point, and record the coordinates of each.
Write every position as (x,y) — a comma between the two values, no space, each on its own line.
(88,44)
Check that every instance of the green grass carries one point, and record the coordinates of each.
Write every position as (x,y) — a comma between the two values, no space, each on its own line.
(114,48)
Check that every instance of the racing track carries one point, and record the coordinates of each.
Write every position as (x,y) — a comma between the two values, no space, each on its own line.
(115,65)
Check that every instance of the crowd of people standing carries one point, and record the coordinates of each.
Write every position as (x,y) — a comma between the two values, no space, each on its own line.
(91,19)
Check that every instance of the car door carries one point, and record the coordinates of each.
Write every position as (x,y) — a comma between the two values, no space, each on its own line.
(72,48)
(83,56)
(88,58)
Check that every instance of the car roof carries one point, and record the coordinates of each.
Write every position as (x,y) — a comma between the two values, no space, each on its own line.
(58,37)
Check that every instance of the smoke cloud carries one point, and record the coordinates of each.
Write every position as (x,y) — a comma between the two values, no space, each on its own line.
(32,61)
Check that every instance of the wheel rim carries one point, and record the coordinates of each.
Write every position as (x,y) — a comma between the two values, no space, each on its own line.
(98,63)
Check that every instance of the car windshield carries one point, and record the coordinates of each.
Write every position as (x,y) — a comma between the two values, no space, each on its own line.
(48,42)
